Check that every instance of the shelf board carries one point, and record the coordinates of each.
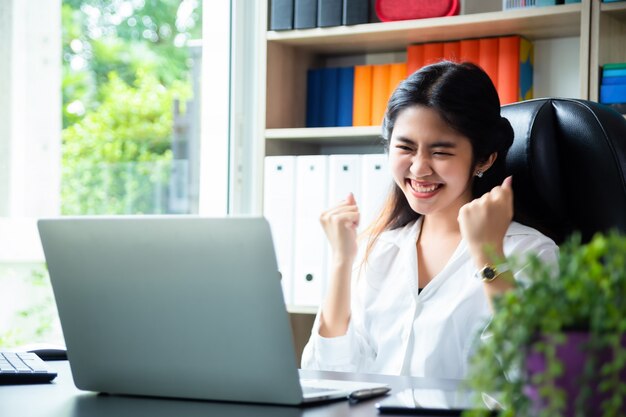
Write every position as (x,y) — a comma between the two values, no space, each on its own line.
(335,135)
(534,23)
(617,9)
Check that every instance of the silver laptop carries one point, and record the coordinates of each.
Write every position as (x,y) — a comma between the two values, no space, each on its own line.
(185,307)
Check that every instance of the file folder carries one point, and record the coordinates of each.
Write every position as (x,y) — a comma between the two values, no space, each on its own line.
(345,96)
(344,177)
(433,52)
(452,51)
(515,69)
(414,58)
(281,14)
(330,98)
(355,12)
(279,210)
(310,241)
(329,13)
(470,51)
(376,182)
(362,96)
(380,92)
(314,98)
(305,14)
(488,57)
(397,74)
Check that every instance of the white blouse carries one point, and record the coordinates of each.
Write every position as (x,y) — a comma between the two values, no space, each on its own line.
(395,331)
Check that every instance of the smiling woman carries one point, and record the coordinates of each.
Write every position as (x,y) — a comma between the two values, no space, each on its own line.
(406,302)
(431,162)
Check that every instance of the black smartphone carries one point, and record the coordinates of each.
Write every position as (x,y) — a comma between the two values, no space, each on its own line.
(437,402)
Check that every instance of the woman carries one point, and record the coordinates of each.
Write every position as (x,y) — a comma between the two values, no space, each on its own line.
(410,301)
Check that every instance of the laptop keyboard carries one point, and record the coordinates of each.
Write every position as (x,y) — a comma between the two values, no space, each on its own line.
(23,368)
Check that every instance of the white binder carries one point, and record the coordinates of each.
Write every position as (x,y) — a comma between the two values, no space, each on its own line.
(344,177)
(310,241)
(279,210)
(376,182)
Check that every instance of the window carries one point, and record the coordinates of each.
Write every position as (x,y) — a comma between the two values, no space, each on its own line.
(117,128)
(130,141)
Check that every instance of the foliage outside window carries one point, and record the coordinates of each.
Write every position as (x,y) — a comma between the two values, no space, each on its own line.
(29,315)
(125,63)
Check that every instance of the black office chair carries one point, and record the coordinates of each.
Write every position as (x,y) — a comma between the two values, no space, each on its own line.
(568,162)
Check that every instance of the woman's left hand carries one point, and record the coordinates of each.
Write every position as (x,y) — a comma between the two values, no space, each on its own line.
(485,220)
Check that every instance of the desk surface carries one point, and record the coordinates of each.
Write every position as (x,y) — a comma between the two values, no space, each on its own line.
(62,399)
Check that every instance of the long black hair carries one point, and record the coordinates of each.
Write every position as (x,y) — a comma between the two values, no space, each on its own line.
(466,99)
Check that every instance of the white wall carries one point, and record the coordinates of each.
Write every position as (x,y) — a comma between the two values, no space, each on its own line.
(215,108)
(563,80)
(30,121)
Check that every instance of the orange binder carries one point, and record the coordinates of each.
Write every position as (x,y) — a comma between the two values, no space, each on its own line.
(508,68)
(488,57)
(452,51)
(433,52)
(362,98)
(469,51)
(380,92)
(414,58)
(397,73)
(515,69)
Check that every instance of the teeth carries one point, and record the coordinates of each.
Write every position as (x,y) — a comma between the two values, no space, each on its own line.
(423,188)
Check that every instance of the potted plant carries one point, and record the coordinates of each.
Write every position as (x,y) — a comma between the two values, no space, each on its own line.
(556,345)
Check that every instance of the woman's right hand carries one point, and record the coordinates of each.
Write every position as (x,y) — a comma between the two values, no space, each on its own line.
(340,224)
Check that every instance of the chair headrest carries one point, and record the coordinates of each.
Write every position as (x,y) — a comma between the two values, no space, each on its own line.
(568,162)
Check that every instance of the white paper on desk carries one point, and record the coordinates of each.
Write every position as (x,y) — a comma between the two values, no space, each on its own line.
(279,210)
(310,241)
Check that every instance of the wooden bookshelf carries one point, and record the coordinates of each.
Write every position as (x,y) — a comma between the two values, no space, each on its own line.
(616,9)
(346,135)
(285,57)
(290,53)
(608,40)
(533,23)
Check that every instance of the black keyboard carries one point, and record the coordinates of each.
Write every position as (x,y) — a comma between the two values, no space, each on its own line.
(23,368)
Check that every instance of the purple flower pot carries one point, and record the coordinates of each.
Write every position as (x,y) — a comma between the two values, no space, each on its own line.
(573,354)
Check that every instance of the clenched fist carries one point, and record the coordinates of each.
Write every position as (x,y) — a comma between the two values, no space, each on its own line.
(340,224)
(485,220)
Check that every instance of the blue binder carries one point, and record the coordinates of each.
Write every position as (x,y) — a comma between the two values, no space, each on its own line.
(329,13)
(614,72)
(613,93)
(613,80)
(314,98)
(305,14)
(345,96)
(330,84)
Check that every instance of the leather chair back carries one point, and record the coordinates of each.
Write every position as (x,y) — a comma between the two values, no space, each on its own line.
(568,162)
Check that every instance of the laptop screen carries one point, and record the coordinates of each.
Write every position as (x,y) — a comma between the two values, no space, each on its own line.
(178,306)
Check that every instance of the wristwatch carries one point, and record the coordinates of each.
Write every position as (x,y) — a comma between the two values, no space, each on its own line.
(488,273)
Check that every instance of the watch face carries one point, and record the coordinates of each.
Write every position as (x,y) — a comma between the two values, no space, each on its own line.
(489,273)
